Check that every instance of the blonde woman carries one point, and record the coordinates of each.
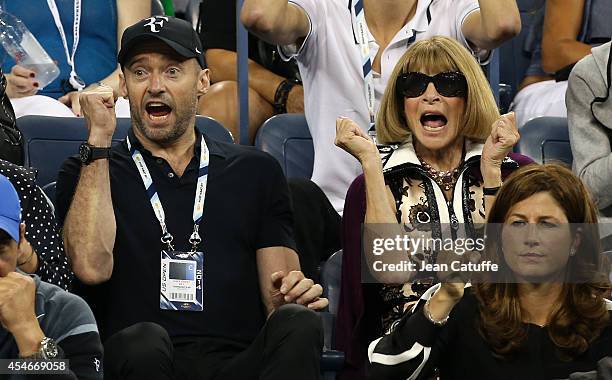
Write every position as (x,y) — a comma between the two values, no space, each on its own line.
(449,153)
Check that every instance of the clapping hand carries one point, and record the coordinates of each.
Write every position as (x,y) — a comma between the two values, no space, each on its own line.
(294,287)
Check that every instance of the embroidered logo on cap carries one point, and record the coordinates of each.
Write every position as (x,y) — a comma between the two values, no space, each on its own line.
(156,21)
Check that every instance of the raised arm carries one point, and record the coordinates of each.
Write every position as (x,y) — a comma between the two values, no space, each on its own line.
(129,12)
(275,21)
(503,137)
(380,204)
(495,22)
(560,45)
(90,227)
(418,343)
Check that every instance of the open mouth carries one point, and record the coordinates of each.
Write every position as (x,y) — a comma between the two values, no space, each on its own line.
(433,121)
(158,110)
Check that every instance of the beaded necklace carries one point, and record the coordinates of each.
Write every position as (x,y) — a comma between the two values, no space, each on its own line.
(446,179)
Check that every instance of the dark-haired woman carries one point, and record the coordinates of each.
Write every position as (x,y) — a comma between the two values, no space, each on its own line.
(543,322)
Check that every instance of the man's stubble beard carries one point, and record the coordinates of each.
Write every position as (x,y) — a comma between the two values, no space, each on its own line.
(161,137)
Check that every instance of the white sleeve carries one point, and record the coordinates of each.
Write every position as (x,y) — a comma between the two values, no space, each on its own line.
(313,12)
(464,8)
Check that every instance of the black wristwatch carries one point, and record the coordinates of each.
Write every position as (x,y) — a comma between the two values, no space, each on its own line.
(89,153)
(282,93)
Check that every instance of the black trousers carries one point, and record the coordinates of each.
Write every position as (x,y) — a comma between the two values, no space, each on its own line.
(317,225)
(288,347)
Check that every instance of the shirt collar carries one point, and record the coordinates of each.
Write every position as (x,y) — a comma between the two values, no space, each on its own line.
(214,147)
(417,24)
(405,153)
(422,17)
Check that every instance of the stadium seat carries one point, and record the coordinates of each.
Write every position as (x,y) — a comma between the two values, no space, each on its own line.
(331,271)
(546,139)
(287,138)
(49,190)
(48,141)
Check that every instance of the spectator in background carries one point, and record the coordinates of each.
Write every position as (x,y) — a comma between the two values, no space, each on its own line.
(325,38)
(94,57)
(39,320)
(589,114)
(544,315)
(564,32)
(234,315)
(274,85)
(43,251)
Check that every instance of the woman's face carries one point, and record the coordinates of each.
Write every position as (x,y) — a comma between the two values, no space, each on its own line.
(434,119)
(536,239)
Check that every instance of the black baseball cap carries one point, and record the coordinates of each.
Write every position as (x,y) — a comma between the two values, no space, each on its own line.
(178,34)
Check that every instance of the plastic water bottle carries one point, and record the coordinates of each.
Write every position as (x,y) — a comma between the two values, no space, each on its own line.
(25,49)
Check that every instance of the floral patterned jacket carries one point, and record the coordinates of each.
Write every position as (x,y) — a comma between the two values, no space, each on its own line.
(365,311)
(424,211)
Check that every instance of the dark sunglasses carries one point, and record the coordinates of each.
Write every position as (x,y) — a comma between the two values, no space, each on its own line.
(448,84)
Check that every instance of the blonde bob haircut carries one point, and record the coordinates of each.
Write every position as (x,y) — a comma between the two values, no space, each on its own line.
(435,55)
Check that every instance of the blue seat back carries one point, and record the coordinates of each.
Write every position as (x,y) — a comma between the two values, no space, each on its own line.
(287,138)
(331,276)
(48,141)
(545,140)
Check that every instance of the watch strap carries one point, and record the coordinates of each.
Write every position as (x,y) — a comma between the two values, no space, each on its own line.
(88,153)
(490,190)
(98,152)
(282,94)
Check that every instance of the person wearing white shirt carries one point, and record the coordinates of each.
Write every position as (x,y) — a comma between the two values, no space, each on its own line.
(322,36)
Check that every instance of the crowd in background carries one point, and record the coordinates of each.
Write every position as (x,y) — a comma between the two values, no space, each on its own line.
(406,131)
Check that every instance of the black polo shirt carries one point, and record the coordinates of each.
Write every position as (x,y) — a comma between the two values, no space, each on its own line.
(246,208)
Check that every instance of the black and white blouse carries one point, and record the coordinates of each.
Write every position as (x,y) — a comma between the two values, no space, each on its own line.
(41,227)
(415,348)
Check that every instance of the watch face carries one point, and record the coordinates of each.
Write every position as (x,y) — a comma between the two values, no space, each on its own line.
(85,153)
(49,348)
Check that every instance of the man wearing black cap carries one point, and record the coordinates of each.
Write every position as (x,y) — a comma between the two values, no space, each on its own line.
(196,277)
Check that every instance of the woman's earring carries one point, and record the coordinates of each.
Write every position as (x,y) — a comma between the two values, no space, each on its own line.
(572,251)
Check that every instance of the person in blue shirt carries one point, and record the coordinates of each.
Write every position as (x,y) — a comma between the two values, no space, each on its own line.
(96,27)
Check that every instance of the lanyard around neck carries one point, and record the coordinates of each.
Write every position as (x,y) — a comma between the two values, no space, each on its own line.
(75,81)
(158,209)
(362,36)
